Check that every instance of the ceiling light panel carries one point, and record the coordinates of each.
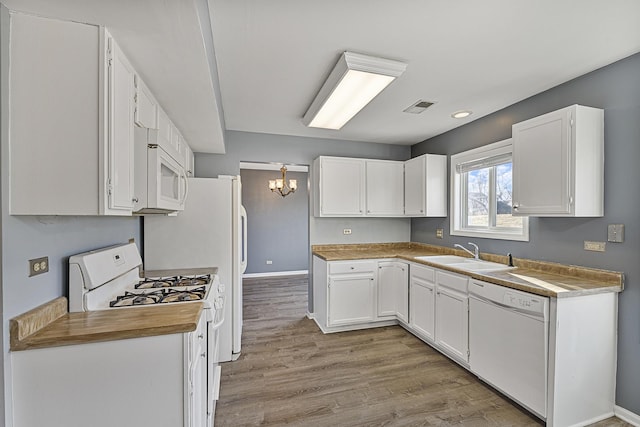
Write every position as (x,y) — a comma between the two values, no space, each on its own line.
(354,82)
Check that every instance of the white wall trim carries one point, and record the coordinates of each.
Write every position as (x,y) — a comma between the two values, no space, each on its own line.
(276,273)
(626,415)
(310,316)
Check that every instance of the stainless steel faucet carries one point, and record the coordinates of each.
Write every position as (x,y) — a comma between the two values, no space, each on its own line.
(475,253)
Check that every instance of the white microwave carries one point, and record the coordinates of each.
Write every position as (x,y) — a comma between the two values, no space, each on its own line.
(160,181)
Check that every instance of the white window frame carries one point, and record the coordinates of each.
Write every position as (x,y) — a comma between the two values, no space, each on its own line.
(499,148)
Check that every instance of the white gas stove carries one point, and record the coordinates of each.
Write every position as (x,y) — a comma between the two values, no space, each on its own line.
(110,278)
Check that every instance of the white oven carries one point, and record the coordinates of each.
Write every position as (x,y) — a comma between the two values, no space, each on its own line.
(160,183)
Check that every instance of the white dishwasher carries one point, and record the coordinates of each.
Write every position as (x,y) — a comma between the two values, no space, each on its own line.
(508,342)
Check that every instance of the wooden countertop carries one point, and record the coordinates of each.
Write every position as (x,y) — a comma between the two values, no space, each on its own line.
(96,326)
(51,325)
(537,277)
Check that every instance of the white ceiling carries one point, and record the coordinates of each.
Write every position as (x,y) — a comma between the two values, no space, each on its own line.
(273,55)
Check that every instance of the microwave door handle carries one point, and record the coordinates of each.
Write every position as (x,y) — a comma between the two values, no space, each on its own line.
(183,176)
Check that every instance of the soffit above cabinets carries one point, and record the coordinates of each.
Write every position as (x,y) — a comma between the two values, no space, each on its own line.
(169,44)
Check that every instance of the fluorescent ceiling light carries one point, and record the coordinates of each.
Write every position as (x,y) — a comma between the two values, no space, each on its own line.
(354,82)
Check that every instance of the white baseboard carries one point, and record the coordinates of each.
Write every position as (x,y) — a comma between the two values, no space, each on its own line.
(627,415)
(276,273)
(310,316)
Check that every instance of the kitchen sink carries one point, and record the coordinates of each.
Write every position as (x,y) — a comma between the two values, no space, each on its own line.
(466,264)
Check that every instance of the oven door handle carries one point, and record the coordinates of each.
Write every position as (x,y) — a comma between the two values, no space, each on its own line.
(217,324)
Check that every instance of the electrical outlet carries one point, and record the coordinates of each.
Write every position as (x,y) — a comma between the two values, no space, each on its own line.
(594,246)
(346,231)
(269,262)
(38,266)
(439,233)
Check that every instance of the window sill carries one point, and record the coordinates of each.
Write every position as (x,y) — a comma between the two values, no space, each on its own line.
(492,235)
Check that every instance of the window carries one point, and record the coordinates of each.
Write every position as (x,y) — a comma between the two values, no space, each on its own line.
(481,190)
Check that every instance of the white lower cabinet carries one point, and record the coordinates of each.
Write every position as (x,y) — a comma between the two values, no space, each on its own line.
(344,294)
(393,291)
(568,382)
(452,314)
(73,385)
(351,299)
(422,301)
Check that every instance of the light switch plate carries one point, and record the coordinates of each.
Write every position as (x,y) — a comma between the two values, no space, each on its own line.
(615,233)
(594,246)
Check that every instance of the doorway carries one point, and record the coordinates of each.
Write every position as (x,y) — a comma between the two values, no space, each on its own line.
(278,227)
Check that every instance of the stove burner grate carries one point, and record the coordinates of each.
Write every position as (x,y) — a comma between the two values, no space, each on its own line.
(159,296)
(166,282)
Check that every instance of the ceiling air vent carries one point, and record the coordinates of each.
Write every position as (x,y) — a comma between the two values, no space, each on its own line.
(418,107)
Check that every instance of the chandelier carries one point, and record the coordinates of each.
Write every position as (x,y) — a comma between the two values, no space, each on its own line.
(280,185)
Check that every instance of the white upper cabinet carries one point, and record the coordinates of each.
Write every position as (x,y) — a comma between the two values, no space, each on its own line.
(69,136)
(425,186)
(339,186)
(189,166)
(385,187)
(146,112)
(558,164)
(121,91)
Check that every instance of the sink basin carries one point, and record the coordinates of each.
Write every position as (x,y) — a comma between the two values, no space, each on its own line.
(443,259)
(466,264)
(480,266)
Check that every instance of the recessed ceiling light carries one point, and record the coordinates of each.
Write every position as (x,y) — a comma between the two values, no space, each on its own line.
(461,114)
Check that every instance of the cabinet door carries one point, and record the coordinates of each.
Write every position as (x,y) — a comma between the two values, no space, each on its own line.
(120,139)
(385,188)
(190,160)
(422,306)
(146,110)
(414,186)
(393,290)
(425,186)
(452,322)
(342,186)
(164,125)
(351,299)
(542,165)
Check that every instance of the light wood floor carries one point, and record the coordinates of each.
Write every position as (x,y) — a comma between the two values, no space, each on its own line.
(290,373)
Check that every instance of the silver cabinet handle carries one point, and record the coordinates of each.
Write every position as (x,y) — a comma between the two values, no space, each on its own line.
(134,200)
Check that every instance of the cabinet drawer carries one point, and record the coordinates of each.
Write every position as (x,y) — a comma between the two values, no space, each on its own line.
(452,281)
(352,267)
(424,273)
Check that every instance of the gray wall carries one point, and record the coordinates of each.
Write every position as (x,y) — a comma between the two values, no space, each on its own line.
(261,148)
(26,237)
(616,89)
(278,226)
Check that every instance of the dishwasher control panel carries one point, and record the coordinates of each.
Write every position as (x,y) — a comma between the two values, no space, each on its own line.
(521,301)
(509,298)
